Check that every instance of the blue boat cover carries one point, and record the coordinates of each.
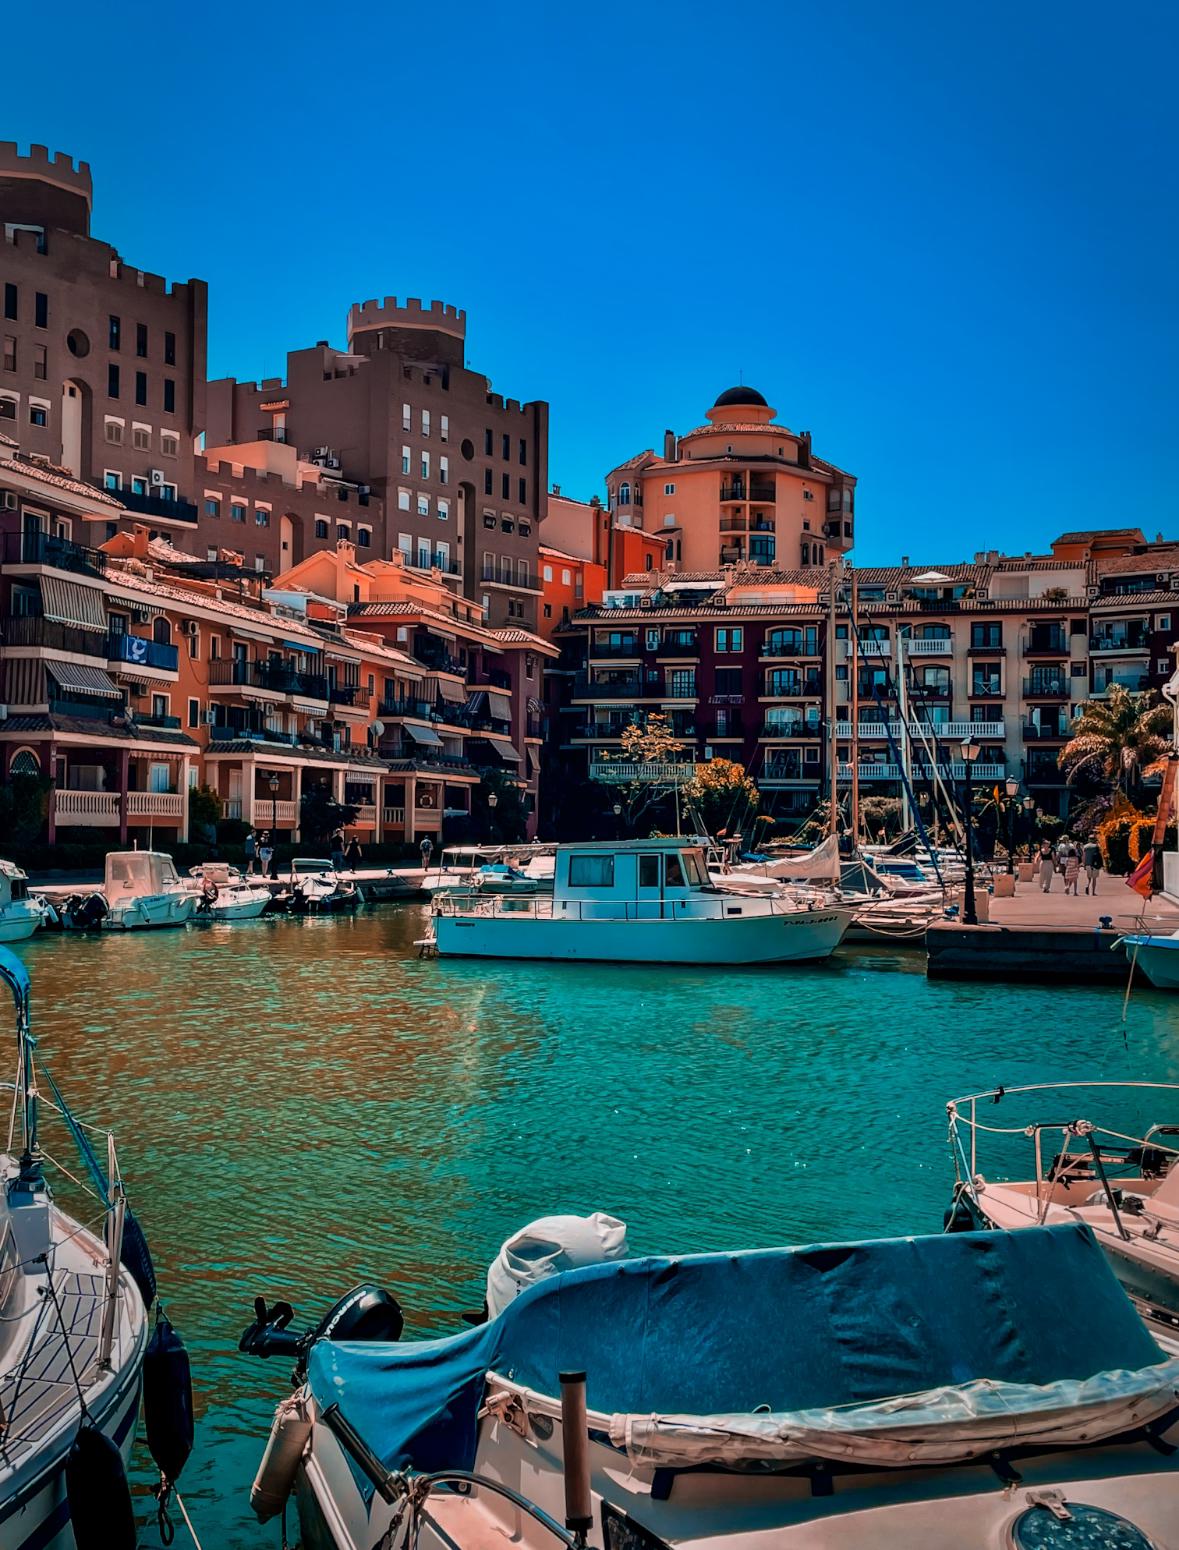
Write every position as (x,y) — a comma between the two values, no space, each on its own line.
(780,1329)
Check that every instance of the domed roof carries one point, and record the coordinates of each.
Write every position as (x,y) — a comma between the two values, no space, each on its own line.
(740,395)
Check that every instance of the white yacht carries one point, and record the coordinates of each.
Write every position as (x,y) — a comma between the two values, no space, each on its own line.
(141,889)
(639,901)
(20,915)
(1117,1176)
(986,1390)
(73,1323)
(224,894)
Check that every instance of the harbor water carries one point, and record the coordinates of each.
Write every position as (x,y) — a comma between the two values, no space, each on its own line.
(301,1104)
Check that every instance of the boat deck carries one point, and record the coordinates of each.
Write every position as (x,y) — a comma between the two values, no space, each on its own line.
(35,1396)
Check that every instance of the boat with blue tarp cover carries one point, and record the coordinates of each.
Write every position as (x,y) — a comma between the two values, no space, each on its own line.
(839,1394)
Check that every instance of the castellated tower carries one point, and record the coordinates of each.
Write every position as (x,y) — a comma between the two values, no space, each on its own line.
(38,189)
(433,334)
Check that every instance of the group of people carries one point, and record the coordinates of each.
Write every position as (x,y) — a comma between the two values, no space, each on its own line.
(1069,859)
(259,852)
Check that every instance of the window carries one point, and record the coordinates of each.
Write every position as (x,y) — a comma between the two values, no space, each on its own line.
(159,707)
(443,510)
(141,437)
(986,635)
(40,309)
(987,680)
(548,610)
(343,530)
(681,683)
(507,525)
(407,417)
(669,489)
(489,519)
(423,505)
(566,577)
(38,413)
(113,431)
(141,340)
(212,506)
(506,447)
(194,645)
(11,295)
(237,513)
(728,680)
(261,516)
(444,427)
(425,422)
(40,362)
(443,470)
(485,600)
(259,562)
(624,493)
(730,639)
(112,381)
(111,480)
(321,528)
(9,352)
(169,396)
(405,460)
(425,465)
(523,491)
(138,484)
(167,493)
(487,486)
(194,712)
(114,332)
(364,537)
(506,486)
(587,870)
(169,349)
(673,872)
(141,387)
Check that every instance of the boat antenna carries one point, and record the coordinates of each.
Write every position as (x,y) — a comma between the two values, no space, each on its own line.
(16,977)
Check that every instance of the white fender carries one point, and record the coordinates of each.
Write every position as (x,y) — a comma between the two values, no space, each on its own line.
(289,1436)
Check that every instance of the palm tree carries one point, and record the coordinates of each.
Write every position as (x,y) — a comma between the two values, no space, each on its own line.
(1117,740)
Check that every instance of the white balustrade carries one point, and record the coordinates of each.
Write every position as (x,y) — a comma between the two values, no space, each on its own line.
(394,816)
(86,807)
(155,804)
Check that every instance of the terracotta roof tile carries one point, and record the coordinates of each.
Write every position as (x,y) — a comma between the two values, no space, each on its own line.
(1163,558)
(58,481)
(101,731)
(1086,534)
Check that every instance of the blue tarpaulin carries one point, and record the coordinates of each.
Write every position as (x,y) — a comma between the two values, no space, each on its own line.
(784,1329)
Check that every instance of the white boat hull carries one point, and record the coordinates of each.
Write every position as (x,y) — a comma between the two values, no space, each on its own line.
(18,921)
(152,911)
(1157,957)
(782,937)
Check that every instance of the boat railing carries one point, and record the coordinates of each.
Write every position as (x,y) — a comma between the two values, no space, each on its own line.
(963,1116)
(720,906)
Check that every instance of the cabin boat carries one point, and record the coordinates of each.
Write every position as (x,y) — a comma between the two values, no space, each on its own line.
(1118,1177)
(142,890)
(500,869)
(226,895)
(1157,957)
(316,888)
(846,1395)
(20,915)
(73,1319)
(639,901)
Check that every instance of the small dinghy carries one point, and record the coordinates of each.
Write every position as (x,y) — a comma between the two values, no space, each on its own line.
(842,1395)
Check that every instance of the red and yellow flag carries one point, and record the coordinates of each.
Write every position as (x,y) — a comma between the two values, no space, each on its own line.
(1141,877)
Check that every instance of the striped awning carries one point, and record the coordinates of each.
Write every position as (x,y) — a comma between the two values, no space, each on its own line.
(79,679)
(502,747)
(426,736)
(67,602)
(453,693)
(499,705)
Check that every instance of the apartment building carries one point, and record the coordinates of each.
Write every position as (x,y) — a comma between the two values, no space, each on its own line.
(461,472)
(742,489)
(132,671)
(586,551)
(102,365)
(1002,650)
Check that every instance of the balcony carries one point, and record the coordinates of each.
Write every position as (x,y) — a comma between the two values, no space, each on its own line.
(135,651)
(95,809)
(871,771)
(436,657)
(342,694)
(628,647)
(277,678)
(37,548)
(422,709)
(276,433)
(622,691)
(679,643)
(787,644)
(159,506)
(441,562)
(782,687)
(32,630)
(1047,686)
(759,491)
(929,646)
(103,709)
(1121,640)
(772,727)
(507,574)
(777,771)
(619,772)
(1046,643)
(980,648)
(156,804)
(986,689)
(868,648)
(164,723)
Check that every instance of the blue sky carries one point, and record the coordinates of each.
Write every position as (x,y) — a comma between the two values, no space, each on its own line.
(941,238)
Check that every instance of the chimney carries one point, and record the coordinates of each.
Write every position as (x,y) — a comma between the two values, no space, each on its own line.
(669,447)
(556,489)
(905,560)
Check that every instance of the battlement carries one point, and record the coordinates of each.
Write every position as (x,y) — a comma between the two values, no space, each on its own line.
(37,189)
(37,163)
(390,313)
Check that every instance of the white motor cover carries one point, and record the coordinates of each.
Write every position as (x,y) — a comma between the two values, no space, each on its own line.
(548,1246)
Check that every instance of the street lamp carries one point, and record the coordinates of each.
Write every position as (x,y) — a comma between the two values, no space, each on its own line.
(617,819)
(969,755)
(1012,792)
(272,782)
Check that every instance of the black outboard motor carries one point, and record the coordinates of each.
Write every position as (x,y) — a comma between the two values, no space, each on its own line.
(367,1313)
(85,912)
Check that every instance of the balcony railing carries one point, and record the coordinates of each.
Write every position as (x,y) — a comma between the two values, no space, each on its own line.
(155,804)
(869,648)
(343,694)
(37,548)
(277,433)
(936,731)
(929,646)
(629,647)
(135,651)
(1137,640)
(33,630)
(618,771)
(681,643)
(91,808)
(434,657)
(760,491)
(624,689)
(159,506)
(780,645)
(1048,687)
(276,677)
(871,771)
(782,688)
(423,709)
(87,710)
(165,723)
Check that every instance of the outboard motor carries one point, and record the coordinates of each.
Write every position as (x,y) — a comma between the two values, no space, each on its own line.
(85,913)
(367,1313)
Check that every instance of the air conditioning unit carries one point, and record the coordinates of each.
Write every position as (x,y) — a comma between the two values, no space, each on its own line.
(1163,578)
(321,452)
(7,500)
(364,489)
(141,615)
(157,476)
(191,627)
(331,462)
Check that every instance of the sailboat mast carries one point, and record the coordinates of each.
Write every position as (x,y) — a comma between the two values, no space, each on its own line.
(853,636)
(829,689)
(903,704)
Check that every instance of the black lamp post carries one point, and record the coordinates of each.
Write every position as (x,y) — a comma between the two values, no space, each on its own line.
(272,782)
(969,755)
(1029,808)
(1012,793)
(617,819)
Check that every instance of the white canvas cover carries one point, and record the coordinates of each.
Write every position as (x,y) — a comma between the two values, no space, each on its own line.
(137,874)
(822,862)
(548,1246)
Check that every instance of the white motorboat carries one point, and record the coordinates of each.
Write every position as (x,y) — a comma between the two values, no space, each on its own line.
(141,890)
(1156,956)
(20,915)
(638,901)
(224,894)
(1118,1177)
(317,889)
(872,1394)
(73,1326)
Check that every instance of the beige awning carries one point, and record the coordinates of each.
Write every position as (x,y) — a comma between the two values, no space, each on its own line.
(499,705)
(453,693)
(69,603)
(503,748)
(84,680)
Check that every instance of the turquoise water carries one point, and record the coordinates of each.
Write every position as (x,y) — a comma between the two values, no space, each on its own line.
(301,1104)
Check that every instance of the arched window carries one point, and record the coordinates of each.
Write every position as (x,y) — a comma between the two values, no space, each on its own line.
(161,631)
(25,762)
(624,493)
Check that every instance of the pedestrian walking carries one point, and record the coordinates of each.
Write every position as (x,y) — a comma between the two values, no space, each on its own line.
(1072,871)
(1091,857)
(251,849)
(1047,867)
(338,851)
(427,850)
(353,853)
(266,854)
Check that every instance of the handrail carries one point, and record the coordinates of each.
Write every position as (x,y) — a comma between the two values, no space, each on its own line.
(1039,1087)
(723,905)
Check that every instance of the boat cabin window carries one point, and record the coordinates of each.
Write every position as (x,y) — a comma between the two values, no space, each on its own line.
(697,872)
(648,871)
(674,872)
(590,871)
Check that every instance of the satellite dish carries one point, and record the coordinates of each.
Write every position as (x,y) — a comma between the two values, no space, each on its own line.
(378,729)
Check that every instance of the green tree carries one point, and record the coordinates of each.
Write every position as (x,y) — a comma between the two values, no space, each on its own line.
(204,811)
(651,746)
(1116,741)
(724,797)
(503,820)
(320,815)
(24,807)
